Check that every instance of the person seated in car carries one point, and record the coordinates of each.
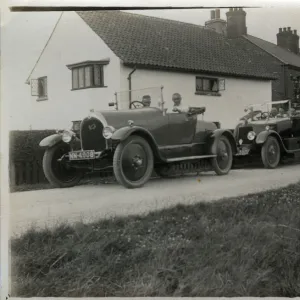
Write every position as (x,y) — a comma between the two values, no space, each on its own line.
(273,112)
(146,100)
(281,113)
(178,107)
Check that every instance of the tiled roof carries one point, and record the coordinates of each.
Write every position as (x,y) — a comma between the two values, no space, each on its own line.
(159,43)
(285,56)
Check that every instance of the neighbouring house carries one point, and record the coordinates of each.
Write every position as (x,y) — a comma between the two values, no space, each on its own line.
(285,54)
(92,55)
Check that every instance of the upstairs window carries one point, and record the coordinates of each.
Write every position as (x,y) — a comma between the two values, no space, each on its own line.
(209,86)
(39,88)
(87,74)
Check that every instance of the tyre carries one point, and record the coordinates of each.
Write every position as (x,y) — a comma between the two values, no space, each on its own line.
(58,173)
(223,162)
(133,162)
(270,153)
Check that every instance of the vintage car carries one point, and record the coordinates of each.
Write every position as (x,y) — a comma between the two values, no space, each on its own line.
(270,130)
(134,142)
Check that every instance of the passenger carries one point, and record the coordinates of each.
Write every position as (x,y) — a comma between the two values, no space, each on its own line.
(274,112)
(178,107)
(281,113)
(146,101)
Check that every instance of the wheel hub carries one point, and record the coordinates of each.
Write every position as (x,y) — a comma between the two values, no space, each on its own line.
(137,161)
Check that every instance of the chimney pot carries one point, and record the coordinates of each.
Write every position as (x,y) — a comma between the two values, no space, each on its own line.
(280,29)
(235,9)
(295,31)
(284,28)
(289,28)
(230,9)
(218,13)
(212,14)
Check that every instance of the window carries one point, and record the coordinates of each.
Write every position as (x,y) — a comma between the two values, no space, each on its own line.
(87,74)
(39,88)
(209,86)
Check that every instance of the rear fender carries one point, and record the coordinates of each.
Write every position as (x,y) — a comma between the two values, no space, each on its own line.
(215,136)
(51,140)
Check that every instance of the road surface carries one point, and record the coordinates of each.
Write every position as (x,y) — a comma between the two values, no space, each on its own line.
(90,202)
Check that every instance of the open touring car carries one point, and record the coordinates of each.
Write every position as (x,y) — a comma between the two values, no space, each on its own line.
(134,142)
(271,130)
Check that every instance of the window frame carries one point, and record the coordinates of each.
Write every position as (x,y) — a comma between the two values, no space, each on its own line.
(92,65)
(209,92)
(45,95)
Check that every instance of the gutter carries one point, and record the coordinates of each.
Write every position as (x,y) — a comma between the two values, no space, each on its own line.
(130,84)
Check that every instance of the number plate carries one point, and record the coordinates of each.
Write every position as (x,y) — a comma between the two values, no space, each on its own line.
(82,155)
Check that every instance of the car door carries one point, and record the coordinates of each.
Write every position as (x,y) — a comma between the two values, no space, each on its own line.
(181,128)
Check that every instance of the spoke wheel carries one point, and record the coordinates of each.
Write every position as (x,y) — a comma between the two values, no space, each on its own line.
(270,153)
(223,162)
(133,162)
(58,173)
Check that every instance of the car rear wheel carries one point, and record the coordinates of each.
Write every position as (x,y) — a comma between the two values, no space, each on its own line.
(58,173)
(133,162)
(222,163)
(270,153)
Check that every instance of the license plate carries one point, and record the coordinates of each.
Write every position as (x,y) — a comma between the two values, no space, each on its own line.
(82,155)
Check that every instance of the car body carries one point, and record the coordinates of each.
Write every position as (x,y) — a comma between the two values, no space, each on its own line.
(270,136)
(134,142)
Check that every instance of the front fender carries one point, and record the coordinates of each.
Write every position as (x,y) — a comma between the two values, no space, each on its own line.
(51,140)
(262,136)
(124,132)
(216,134)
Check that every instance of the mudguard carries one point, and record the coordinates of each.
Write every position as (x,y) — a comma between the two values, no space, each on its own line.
(263,135)
(51,140)
(216,134)
(124,132)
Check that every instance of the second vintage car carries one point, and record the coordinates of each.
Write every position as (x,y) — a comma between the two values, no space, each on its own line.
(135,142)
(270,130)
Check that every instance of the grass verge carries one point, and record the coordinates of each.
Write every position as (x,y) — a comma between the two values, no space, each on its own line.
(245,246)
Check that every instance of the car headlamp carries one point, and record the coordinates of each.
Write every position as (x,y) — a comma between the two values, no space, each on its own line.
(108,132)
(67,136)
(251,135)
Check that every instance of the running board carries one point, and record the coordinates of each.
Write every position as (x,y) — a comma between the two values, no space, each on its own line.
(169,160)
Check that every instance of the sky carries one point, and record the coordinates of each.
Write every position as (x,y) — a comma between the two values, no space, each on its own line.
(24,35)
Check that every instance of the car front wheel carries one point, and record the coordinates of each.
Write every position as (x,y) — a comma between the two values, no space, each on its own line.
(270,153)
(222,163)
(133,162)
(58,173)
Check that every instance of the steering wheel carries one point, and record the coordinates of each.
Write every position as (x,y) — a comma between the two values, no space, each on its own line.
(137,104)
(264,115)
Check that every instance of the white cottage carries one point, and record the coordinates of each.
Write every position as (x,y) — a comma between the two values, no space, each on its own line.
(92,55)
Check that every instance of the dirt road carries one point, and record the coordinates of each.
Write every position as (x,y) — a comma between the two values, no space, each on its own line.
(90,202)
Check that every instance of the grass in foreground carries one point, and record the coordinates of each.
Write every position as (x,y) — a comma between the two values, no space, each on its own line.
(247,246)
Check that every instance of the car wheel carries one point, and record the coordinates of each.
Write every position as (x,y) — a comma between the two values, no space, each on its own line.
(133,162)
(222,163)
(270,153)
(58,173)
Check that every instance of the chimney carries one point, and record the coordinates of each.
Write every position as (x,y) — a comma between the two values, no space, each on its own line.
(215,22)
(288,39)
(236,22)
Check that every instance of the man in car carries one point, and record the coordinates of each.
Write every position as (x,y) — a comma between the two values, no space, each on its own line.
(178,107)
(273,112)
(281,113)
(146,100)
